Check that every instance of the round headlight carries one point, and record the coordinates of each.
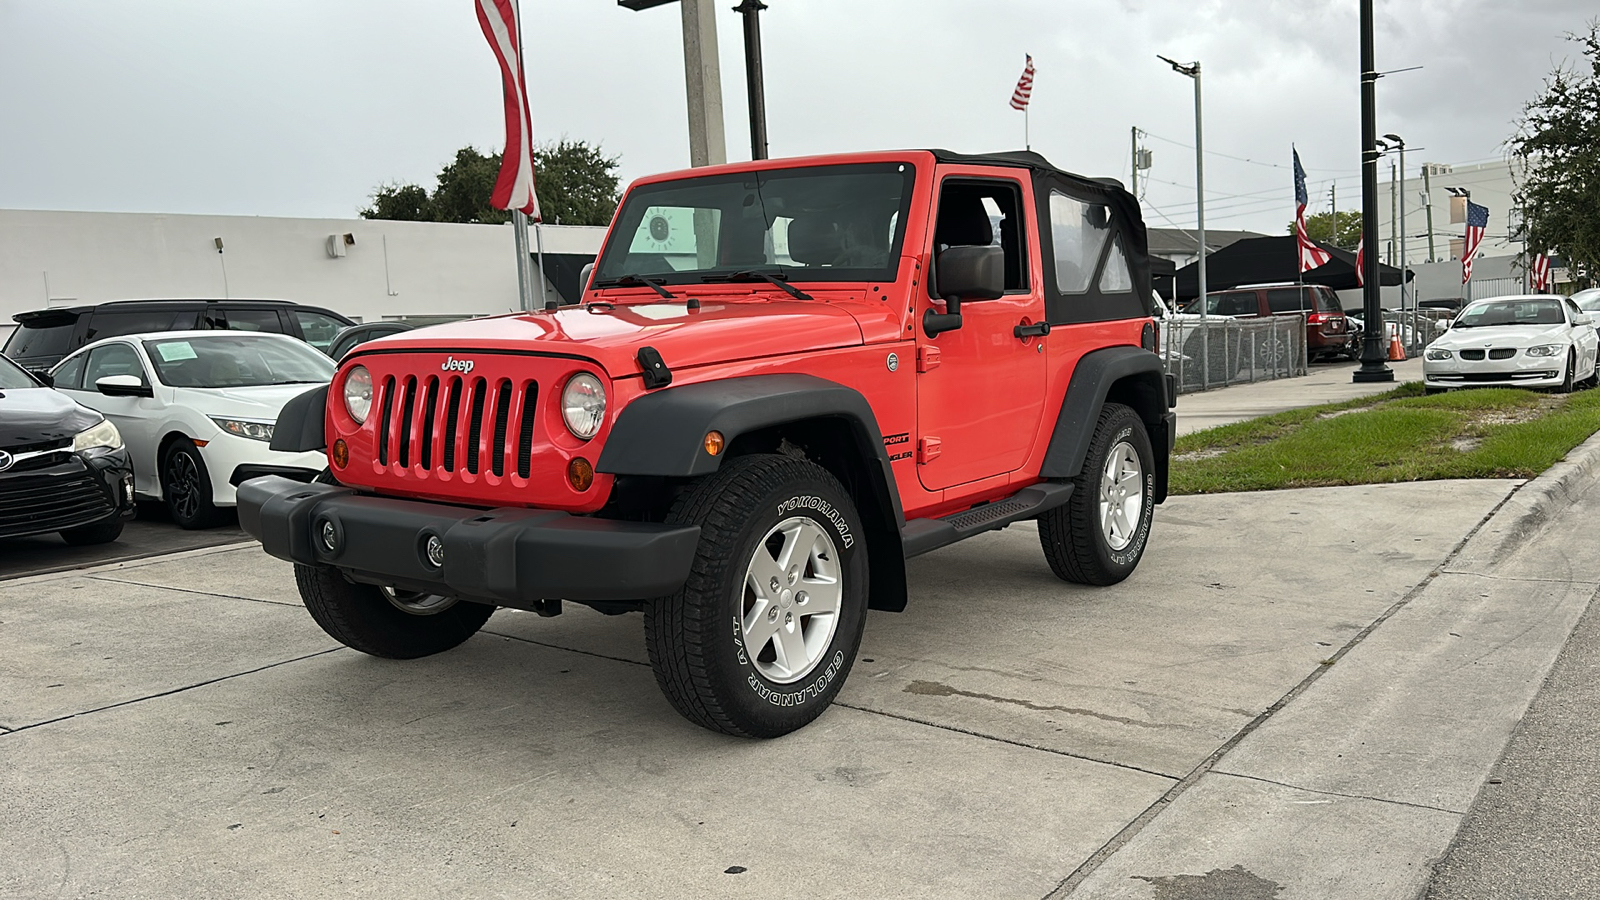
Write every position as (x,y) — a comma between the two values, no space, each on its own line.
(583,405)
(358,393)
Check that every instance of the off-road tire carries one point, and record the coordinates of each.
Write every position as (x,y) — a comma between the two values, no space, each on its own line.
(1074,542)
(695,637)
(186,486)
(362,618)
(98,533)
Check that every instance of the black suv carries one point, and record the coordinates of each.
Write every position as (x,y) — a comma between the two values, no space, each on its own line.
(62,466)
(45,336)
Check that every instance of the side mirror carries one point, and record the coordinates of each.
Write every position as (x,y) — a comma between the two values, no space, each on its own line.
(45,378)
(123,386)
(964,273)
(583,278)
(1583,320)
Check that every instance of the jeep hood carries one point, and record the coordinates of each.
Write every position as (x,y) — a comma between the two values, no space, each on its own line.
(611,334)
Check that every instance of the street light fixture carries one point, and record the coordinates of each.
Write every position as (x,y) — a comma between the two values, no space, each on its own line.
(1400,142)
(1192,70)
(1373,357)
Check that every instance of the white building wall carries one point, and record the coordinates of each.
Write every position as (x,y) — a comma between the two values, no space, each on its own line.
(393,268)
(1492,185)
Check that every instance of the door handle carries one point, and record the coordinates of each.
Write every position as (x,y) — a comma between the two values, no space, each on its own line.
(1037,329)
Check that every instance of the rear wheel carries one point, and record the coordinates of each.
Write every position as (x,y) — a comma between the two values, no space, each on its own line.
(386,622)
(763,633)
(186,485)
(1099,536)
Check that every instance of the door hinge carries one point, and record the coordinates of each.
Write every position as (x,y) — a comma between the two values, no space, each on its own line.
(927,358)
(928,450)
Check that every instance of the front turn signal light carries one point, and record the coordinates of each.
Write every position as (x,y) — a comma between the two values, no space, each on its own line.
(715,442)
(580,474)
(341,453)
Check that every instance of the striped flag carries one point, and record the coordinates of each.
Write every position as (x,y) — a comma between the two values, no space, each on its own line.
(1539,273)
(1361,261)
(514,188)
(1477,221)
(1311,256)
(1019,97)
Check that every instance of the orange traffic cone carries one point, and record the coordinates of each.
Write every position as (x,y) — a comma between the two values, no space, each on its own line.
(1397,351)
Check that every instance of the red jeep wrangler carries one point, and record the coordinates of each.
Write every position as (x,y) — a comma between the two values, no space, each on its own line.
(785,378)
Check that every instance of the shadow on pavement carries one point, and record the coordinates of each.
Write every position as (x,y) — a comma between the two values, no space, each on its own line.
(152,532)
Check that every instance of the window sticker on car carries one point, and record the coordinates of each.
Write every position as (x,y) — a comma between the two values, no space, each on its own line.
(172,351)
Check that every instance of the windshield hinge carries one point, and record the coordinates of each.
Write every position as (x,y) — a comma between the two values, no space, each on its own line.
(656,373)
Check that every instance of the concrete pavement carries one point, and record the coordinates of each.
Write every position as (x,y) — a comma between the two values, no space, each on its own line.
(1288,699)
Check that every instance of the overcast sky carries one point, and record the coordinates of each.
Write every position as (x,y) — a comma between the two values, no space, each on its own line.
(303,107)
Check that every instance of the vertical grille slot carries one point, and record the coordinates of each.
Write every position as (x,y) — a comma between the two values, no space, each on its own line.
(525,432)
(502,412)
(452,417)
(429,413)
(407,413)
(475,427)
(383,424)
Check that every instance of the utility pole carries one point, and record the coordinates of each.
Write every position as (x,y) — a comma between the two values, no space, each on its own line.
(1333,201)
(1405,271)
(1373,357)
(708,144)
(1393,215)
(1134,141)
(1427,206)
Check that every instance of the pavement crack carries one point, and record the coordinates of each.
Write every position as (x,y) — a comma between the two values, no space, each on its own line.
(1001,740)
(1531,578)
(184,590)
(176,690)
(1132,829)
(940,689)
(1341,794)
(513,637)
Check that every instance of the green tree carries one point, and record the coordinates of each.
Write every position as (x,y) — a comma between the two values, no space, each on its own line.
(577,185)
(1321,227)
(1558,138)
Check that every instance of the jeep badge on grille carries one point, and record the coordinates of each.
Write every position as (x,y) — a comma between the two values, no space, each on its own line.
(451,364)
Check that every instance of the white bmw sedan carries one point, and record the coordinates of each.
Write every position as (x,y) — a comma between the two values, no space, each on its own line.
(196,409)
(1534,341)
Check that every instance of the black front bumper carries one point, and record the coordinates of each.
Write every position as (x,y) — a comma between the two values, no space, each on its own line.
(509,556)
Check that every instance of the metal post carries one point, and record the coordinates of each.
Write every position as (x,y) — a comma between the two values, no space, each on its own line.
(538,240)
(751,9)
(1427,205)
(519,230)
(1133,141)
(708,145)
(1200,183)
(1373,356)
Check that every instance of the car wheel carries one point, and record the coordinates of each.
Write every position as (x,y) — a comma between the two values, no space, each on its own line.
(1430,391)
(1572,366)
(763,633)
(1099,536)
(187,486)
(386,622)
(99,533)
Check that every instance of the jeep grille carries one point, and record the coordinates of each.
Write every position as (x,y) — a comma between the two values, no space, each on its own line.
(408,400)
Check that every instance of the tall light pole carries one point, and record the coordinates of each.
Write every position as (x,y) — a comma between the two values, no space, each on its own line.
(754,82)
(1193,71)
(1373,358)
(1404,262)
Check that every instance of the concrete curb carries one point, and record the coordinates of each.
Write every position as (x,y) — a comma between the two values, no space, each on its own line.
(1532,505)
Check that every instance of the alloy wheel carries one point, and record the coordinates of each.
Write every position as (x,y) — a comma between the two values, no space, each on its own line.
(1121,496)
(792,597)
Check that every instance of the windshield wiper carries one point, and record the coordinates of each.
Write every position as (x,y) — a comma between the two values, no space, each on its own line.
(757,275)
(636,281)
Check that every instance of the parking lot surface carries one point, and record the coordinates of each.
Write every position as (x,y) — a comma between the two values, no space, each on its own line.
(1276,689)
(152,533)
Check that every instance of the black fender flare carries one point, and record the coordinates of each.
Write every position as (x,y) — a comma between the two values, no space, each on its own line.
(302,423)
(662,434)
(1129,375)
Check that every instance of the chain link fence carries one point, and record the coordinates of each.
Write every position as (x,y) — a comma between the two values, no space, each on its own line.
(1216,352)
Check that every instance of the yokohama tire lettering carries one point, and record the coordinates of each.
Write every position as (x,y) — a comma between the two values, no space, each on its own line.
(823,508)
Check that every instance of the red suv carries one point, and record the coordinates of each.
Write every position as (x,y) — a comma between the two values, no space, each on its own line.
(1328,332)
(785,378)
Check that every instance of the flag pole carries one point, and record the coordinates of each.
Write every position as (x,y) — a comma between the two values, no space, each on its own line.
(1027,141)
(520,218)
(538,239)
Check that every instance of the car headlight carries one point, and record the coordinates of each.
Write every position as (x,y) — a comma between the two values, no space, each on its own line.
(583,405)
(1546,350)
(245,428)
(1439,353)
(358,393)
(103,435)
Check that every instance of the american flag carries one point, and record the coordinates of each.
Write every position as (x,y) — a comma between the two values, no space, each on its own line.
(1019,97)
(1361,261)
(514,188)
(1311,256)
(1477,221)
(1540,273)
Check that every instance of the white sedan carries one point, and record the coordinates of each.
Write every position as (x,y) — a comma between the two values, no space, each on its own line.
(197,409)
(1523,341)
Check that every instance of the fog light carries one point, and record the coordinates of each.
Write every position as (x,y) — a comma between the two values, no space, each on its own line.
(341,453)
(330,536)
(435,550)
(580,474)
(127,487)
(715,442)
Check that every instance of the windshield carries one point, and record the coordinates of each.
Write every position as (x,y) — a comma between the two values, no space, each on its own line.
(1588,301)
(827,223)
(12,376)
(1511,312)
(228,361)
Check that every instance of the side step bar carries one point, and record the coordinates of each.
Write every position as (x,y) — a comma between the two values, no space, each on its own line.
(922,535)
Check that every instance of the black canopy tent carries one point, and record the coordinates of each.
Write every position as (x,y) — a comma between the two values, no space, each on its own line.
(1269,260)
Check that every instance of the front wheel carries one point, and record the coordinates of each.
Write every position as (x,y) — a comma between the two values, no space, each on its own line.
(100,533)
(386,622)
(1099,536)
(761,636)
(186,486)
(1572,368)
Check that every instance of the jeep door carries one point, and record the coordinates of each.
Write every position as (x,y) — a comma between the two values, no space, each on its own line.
(980,388)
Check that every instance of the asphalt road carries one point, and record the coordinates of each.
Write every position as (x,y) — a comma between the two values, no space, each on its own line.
(152,533)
